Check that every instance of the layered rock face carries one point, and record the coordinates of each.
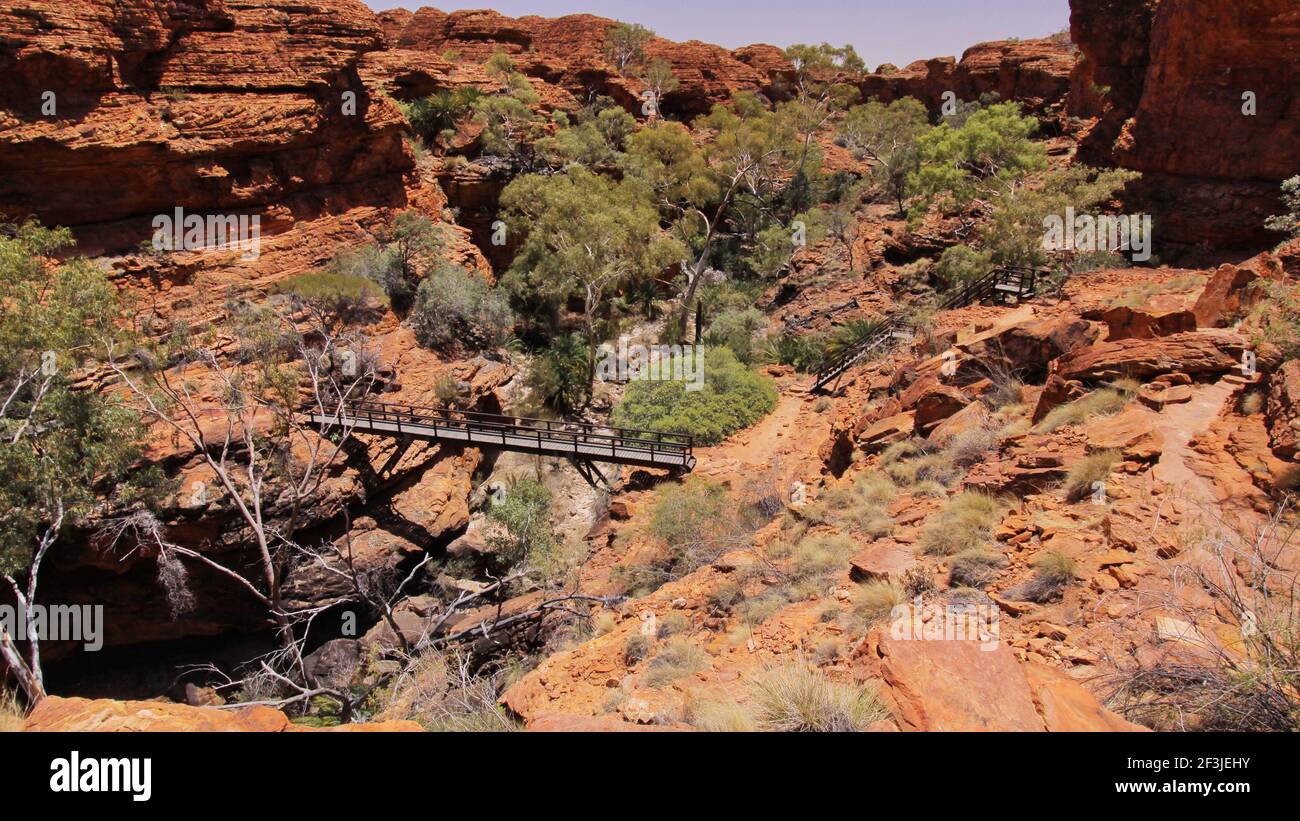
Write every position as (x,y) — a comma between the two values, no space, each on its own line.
(567,52)
(1167,81)
(1033,72)
(200,104)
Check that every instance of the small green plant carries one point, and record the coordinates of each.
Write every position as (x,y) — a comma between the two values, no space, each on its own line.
(1079,482)
(1289,222)
(965,523)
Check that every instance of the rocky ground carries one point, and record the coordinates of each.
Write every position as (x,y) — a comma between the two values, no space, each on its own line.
(239,107)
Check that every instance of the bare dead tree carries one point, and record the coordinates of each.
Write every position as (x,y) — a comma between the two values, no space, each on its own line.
(1252,581)
(268,462)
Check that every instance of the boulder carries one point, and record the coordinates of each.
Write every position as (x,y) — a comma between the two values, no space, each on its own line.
(886,432)
(1134,433)
(932,402)
(1202,354)
(1284,410)
(1229,293)
(963,686)
(1149,321)
(1028,347)
(883,560)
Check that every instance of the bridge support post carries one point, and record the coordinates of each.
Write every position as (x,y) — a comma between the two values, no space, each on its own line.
(589,472)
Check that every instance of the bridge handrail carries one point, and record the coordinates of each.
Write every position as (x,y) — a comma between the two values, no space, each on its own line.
(662,442)
(972,291)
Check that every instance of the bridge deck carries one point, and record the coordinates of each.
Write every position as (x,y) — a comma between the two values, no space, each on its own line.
(543,436)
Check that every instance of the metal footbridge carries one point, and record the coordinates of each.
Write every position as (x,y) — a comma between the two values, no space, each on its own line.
(582,443)
(1002,285)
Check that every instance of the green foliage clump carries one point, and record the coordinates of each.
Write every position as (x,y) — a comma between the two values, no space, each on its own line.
(806,353)
(560,375)
(59,444)
(732,398)
(979,159)
(737,330)
(625,44)
(430,116)
(455,307)
(526,533)
(887,135)
(344,295)
(1288,222)
(595,140)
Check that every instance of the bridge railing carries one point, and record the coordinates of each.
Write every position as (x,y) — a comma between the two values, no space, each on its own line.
(502,427)
(1022,277)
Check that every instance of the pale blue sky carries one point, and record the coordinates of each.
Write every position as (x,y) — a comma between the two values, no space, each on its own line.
(883,31)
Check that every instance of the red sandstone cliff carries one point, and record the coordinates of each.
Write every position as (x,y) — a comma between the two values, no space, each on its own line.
(1167,80)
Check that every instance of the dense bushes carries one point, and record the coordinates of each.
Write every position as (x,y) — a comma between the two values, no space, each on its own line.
(454,306)
(732,397)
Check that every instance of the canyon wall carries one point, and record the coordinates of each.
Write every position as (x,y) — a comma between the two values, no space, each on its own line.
(1166,81)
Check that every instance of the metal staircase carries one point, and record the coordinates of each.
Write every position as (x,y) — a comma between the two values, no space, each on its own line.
(1001,285)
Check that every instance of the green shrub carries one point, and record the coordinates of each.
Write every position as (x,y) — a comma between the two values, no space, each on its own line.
(1079,481)
(430,116)
(850,335)
(733,397)
(961,265)
(736,330)
(344,295)
(1289,222)
(454,307)
(526,533)
(560,376)
(806,353)
(965,523)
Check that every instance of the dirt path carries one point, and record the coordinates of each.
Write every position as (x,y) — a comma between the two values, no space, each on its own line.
(1179,424)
